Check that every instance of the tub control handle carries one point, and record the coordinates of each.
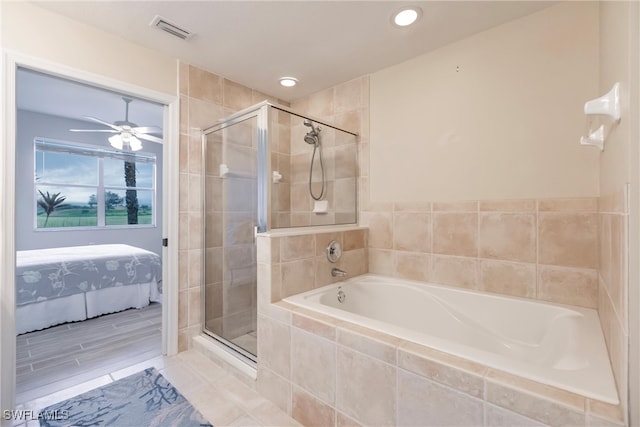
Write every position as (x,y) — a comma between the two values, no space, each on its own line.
(334,251)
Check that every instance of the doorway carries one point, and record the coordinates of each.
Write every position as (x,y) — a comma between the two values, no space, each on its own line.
(164,220)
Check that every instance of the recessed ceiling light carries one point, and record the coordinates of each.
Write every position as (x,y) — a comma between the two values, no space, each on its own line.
(406,16)
(288,81)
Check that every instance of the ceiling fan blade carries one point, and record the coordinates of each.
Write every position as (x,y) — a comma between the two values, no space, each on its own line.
(148,137)
(118,128)
(94,130)
(147,129)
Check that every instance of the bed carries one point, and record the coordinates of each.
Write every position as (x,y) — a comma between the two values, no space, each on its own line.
(75,283)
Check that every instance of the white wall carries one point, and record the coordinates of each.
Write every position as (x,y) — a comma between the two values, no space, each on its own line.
(495,116)
(31,125)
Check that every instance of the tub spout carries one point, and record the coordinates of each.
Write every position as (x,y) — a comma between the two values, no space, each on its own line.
(336,272)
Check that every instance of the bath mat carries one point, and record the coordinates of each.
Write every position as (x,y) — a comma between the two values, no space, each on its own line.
(142,399)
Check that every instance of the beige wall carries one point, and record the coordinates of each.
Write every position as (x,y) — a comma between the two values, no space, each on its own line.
(495,116)
(33,31)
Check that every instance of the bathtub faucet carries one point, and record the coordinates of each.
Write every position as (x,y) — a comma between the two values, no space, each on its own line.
(336,272)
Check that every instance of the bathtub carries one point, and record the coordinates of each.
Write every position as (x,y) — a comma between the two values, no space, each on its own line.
(558,345)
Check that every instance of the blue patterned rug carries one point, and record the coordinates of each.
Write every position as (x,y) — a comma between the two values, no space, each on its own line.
(142,399)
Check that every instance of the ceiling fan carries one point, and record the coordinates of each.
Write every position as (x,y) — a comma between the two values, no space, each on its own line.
(127,134)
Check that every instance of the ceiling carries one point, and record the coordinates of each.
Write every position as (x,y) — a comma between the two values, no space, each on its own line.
(321,43)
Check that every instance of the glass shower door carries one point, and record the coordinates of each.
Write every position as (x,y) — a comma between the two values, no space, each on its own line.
(231,206)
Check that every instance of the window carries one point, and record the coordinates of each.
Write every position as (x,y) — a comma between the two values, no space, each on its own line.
(83,186)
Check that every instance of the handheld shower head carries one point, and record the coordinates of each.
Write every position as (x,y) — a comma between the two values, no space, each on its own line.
(312,136)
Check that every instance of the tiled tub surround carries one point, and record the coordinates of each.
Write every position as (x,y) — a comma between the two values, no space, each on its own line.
(561,346)
(371,378)
(613,282)
(328,372)
(544,249)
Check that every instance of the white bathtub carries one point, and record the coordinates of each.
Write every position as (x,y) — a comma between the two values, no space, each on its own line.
(561,346)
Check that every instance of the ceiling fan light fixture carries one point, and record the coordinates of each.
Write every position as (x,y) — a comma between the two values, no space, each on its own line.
(127,141)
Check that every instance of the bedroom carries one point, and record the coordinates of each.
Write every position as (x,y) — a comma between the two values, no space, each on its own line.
(88,234)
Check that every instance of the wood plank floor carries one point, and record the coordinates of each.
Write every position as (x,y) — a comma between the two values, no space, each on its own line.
(66,355)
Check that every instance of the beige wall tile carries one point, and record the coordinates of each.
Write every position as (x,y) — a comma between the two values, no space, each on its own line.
(507,236)
(612,413)
(455,233)
(460,374)
(499,417)
(297,277)
(195,230)
(195,268)
(619,253)
(411,265)
(369,342)
(507,206)
(343,421)
(274,386)
(195,307)
(568,239)
(348,96)
(496,379)
(321,104)
(380,228)
(308,352)
(354,239)
(183,152)
(183,202)
(297,247)
(568,205)
(183,309)
(381,262)
(508,278)
(205,85)
(374,404)
(455,271)
(236,96)
(274,337)
(531,406)
(310,411)
(424,207)
(314,325)
(412,232)
(443,407)
(195,154)
(568,286)
(354,262)
(455,206)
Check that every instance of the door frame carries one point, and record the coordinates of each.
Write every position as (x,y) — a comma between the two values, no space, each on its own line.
(9,63)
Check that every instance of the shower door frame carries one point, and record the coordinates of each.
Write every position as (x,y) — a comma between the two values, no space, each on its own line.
(261,113)
(263,179)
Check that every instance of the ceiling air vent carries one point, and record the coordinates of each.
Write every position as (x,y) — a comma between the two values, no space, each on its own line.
(171,28)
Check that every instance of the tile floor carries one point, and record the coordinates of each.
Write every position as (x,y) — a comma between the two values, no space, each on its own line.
(219,396)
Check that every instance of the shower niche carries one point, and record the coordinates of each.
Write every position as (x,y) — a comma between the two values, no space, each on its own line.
(265,167)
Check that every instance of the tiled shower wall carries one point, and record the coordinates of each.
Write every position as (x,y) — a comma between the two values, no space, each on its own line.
(204,99)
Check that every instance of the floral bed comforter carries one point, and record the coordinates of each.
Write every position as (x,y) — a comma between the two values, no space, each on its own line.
(45,274)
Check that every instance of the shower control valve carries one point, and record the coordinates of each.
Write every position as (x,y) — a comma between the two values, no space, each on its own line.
(334,251)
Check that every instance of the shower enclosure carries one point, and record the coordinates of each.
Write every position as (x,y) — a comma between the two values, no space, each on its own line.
(265,167)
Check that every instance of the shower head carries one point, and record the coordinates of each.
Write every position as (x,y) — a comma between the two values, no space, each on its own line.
(312,136)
